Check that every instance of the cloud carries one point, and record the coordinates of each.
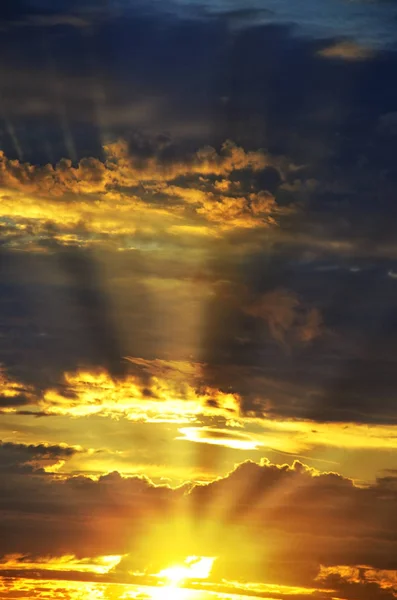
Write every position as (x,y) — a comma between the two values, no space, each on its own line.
(34,458)
(54,517)
(386,579)
(313,520)
(298,434)
(160,399)
(287,317)
(213,215)
(360,582)
(347,50)
(219,437)
(177,393)
(52,20)
(126,169)
(94,565)
(114,197)
(14,394)
(14,401)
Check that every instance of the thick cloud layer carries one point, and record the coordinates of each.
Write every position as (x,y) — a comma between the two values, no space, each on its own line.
(313,524)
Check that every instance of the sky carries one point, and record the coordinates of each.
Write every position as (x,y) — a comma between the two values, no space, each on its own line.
(198,289)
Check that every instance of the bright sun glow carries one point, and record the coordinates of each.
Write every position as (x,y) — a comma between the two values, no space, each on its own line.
(195,567)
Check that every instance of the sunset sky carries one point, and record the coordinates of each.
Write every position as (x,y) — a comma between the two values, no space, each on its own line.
(198,299)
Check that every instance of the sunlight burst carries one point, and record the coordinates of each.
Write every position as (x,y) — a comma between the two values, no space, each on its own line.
(195,567)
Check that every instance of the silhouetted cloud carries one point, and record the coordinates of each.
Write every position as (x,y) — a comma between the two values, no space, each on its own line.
(32,458)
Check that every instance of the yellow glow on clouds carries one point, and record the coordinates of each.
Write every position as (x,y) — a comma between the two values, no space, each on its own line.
(78,590)
(172,395)
(94,193)
(219,437)
(10,389)
(162,401)
(385,578)
(194,568)
(99,565)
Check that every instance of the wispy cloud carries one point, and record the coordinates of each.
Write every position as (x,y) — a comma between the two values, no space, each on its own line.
(347,50)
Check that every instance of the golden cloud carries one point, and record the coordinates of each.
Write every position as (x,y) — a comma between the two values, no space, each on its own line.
(40,588)
(70,562)
(299,435)
(165,391)
(161,400)
(13,394)
(123,192)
